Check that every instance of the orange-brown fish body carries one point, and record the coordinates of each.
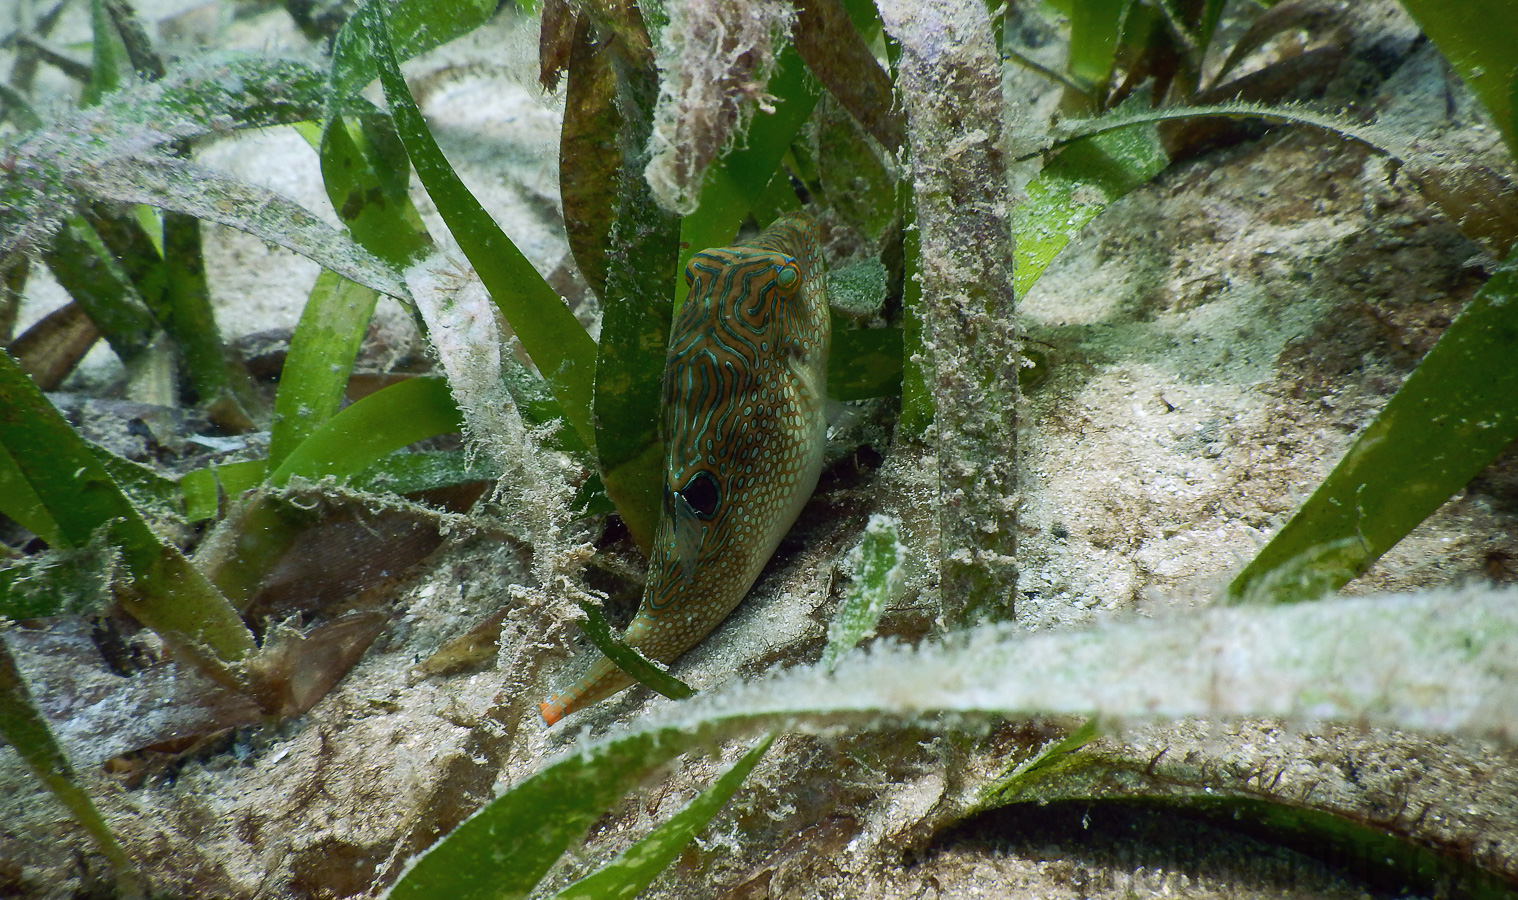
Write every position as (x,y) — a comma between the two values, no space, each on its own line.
(743,429)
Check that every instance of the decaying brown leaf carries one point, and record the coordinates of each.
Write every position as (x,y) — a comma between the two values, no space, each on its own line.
(12,281)
(472,649)
(1312,15)
(836,53)
(295,670)
(352,555)
(556,41)
(589,156)
(50,349)
(97,713)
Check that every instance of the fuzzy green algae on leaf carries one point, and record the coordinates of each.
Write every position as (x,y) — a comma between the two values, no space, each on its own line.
(878,575)
(949,74)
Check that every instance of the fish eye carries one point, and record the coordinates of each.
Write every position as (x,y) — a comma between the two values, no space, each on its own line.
(788,276)
(702,494)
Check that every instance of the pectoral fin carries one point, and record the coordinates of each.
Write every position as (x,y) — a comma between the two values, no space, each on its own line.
(689,529)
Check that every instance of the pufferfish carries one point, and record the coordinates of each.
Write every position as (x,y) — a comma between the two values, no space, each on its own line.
(743,427)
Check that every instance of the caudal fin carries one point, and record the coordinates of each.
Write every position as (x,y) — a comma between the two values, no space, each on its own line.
(553,709)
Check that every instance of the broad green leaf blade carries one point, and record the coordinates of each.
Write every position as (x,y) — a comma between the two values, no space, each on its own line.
(407,473)
(368,176)
(164,286)
(878,563)
(416,26)
(537,405)
(770,134)
(135,237)
(246,544)
(154,495)
(629,659)
(1212,11)
(381,423)
(779,196)
(166,593)
(60,582)
(220,380)
(203,488)
(51,167)
(630,365)
(496,393)
(23,727)
(1074,188)
(549,332)
(635,486)
(211,94)
(853,181)
(636,308)
(1093,41)
(635,869)
(20,503)
(734,185)
(1447,422)
(865,363)
(629,405)
(503,850)
(865,17)
(1480,39)
(105,65)
(1440,661)
(320,360)
(591,500)
(99,282)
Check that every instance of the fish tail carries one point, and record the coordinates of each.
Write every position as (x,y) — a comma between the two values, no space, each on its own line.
(603,680)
